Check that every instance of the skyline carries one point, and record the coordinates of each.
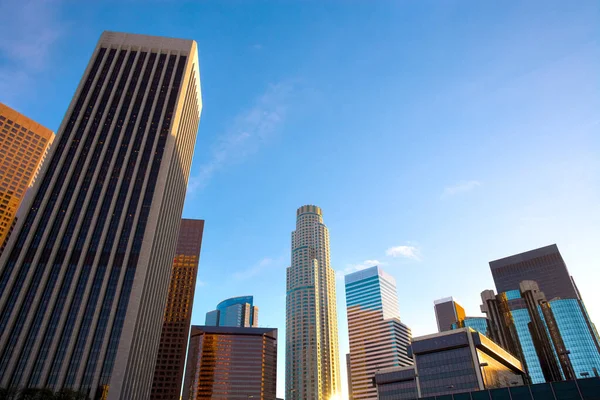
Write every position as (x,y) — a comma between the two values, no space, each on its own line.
(481,138)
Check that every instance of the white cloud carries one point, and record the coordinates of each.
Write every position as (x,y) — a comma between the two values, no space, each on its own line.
(200,283)
(411,252)
(248,132)
(27,33)
(460,187)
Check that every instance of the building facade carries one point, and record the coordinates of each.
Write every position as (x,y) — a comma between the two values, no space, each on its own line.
(447,312)
(544,265)
(231,363)
(580,389)
(480,324)
(450,362)
(312,353)
(170,361)
(24,145)
(236,311)
(555,338)
(377,337)
(84,281)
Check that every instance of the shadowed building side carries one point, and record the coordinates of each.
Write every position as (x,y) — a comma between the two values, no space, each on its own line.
(170,361)
(84,281)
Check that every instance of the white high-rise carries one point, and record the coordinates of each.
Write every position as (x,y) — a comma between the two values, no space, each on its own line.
(85,276)
(377,337)
(312,355)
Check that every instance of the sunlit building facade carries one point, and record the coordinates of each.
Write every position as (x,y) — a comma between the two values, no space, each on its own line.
(236,311)
(170,361)
(312,354)
(24,145)
(85,277)
(448,363)
(377,337)
(231,363)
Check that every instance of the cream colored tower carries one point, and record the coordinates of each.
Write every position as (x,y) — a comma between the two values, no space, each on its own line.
(312,355)
(85,276)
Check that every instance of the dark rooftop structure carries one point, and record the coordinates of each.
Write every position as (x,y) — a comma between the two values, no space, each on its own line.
(544,265)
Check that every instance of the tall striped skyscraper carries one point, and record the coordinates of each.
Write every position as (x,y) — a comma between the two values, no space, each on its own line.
(377,337)
(83,286)
(312,355)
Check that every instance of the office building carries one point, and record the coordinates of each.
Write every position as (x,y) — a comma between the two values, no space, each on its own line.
(231,363)
(480,324)
(170,361)
(236,311)
(544,265)
(23,147)
(377,337)
(447,312)
(555,339)
(450,362)
(84,282)
(580,389)
(349,376)
(312,354)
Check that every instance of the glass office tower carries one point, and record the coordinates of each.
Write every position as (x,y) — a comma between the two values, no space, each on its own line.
(544,265)
(231,363)
(236,311)
(377,337)
(565,348)
(84,283)
(480,324)
(170,361)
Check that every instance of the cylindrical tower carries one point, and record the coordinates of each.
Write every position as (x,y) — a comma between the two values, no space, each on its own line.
(312,352)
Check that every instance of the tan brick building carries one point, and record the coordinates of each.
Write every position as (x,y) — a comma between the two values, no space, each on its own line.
(23,147)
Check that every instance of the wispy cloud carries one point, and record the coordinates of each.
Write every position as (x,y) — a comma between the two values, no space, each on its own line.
(248,132)
(200,283)
(411,252)
(258,268)
(28,30)
(460,187)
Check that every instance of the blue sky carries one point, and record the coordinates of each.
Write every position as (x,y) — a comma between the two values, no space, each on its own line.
(435,135)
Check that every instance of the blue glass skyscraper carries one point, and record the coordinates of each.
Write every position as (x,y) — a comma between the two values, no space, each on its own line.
(574,347)
(377,337)
(236,311)
(480,324)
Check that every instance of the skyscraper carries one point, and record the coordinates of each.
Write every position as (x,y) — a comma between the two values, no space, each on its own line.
(236,311)
(554,339)
(231,363)
(23,147)
(447,312)
(544,265)
(83,286)
(377,337)
(170,361)
(312,354)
